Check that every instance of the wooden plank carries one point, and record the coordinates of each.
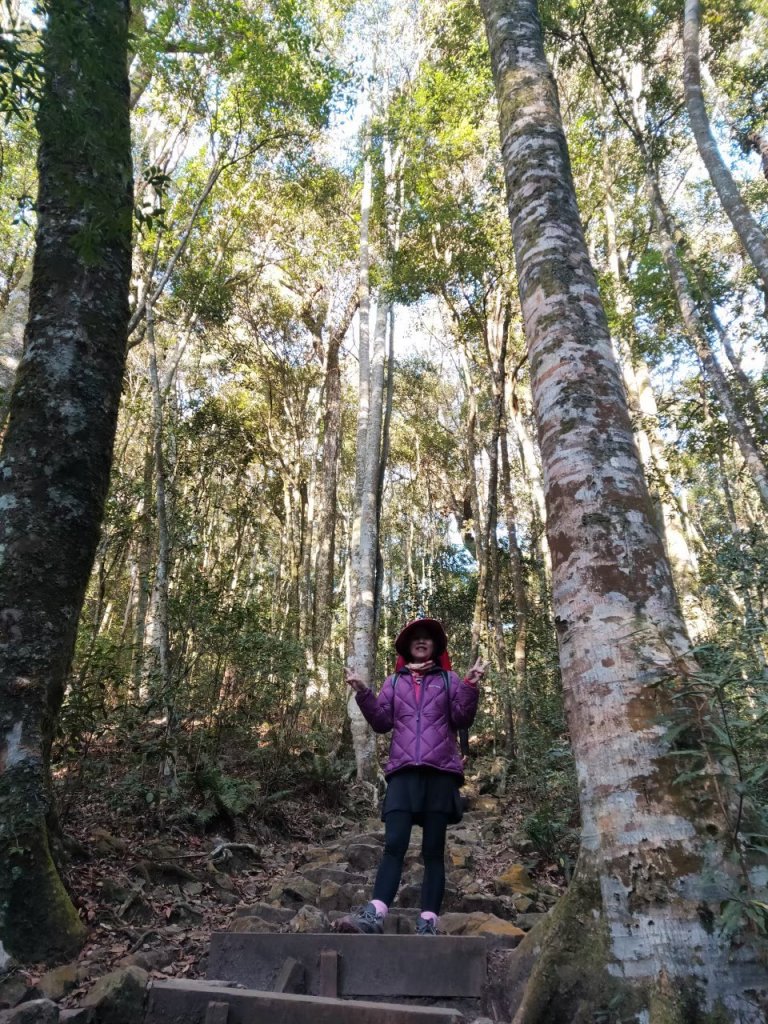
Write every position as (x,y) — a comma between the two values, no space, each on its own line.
(291,977)
(372,966)
(186,1002)
(216,1013)
(329,974)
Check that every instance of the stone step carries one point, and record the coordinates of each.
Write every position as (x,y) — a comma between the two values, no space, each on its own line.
(201,1002)
(442,966)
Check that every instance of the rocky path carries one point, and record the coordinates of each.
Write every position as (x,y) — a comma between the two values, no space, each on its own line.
(295,889)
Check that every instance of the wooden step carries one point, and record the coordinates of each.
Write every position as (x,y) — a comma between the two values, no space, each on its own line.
(395,966)
(201,1002)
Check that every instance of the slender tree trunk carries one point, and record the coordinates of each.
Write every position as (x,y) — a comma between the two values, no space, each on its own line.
(652,869)
(55,461)
(518,586)
(324,556)
(143,570)
(496,338)
(157,655)
(759,144)
(645,419)
(745,225)
(478,615)
(13,320)
(363,546)
(383,460)
(156,637)
(698,334)
(326,514)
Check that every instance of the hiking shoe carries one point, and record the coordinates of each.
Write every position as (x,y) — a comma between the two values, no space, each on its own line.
(364,921)
(426,926)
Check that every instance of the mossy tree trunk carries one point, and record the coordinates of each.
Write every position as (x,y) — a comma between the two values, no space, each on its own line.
(637,933)
(55,461)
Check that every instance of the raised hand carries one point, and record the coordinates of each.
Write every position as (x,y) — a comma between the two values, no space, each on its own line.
(477,671)
(354,681)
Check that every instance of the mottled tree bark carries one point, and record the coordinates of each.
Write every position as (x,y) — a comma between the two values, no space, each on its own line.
(737,211)
(652,870)
(55,461)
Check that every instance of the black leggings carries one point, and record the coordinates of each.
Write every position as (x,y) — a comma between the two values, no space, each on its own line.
(397,834)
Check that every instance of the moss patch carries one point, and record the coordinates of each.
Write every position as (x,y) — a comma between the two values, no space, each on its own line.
(39,921)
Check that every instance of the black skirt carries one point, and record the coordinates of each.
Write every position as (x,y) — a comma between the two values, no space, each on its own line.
(422,790)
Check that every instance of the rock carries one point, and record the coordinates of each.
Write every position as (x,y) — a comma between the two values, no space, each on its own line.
(364,856)
(309,920)
(184,912)
(12,990)
(331,897)
(37,1011)
(253,925)
(491,926)
(319,873)
(192,888)
(515,881)
(409,895)
(480,902)
(460,858)
(527,921)
(152,959)
(478,923)
(523,904)
(296,890)
(453,923)
(113,892)
(224,881)
(550,889)
(272,914)
(364,838)
(104,843)
(78,1015)
(486,803)
(267,912)
(118,997)
(55,984)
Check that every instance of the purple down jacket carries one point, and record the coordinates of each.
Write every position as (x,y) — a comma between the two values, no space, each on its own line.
(424,729)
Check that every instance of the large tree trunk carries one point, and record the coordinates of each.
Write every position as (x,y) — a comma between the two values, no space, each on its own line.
(55,462)
(745,225)
(652,870)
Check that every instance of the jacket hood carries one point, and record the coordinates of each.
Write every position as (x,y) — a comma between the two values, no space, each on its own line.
(435,630)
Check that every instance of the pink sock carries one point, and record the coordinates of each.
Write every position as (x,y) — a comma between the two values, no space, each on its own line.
(429,915)
(381,908)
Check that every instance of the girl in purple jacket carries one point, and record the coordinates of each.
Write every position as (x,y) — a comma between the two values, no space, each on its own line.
(424,704)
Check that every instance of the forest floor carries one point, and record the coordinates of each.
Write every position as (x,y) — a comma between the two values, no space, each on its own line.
(153,875)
